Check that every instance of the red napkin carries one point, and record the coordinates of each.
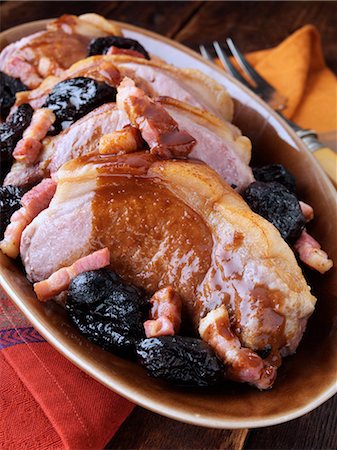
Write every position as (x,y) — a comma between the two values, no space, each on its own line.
(45,401)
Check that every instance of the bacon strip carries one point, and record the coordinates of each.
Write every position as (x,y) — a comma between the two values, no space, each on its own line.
(310,252)
(159,327)
(17,67)
(60,280)
(165,313)
(127,140)
(158,128)
(29,147)
(33,202)
(307,211)
(244,365)
(124,51)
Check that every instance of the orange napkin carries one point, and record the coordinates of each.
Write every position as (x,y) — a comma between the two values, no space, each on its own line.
(45,401)
(296,68)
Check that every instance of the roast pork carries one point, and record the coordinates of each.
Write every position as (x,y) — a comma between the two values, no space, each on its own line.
(177,223)
(219,143)
(154,77)
(49,52)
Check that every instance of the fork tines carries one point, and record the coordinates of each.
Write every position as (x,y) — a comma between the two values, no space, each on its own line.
(254,80)
(226,62)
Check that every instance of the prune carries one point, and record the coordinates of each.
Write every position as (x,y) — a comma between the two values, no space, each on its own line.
(9,86)
(278,205)
(105,333)
(10,201)
(11,132)
(92,287)
(180,360)
(101,45)
(277,173)
(107,310)
(74,98)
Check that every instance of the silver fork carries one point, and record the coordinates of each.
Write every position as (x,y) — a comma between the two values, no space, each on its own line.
(261,87)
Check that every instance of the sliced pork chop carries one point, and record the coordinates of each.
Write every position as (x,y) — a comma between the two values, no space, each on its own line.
(79,139)
(191,86)
(83,136)
(154,77)
(218,143)
(176,223)
(49,52)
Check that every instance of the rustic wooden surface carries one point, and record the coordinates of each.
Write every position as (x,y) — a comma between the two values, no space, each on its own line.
(253,25)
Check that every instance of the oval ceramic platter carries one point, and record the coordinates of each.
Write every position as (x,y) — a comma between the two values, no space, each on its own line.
(306,379)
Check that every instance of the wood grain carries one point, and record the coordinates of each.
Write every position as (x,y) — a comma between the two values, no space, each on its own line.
(257,25)
(254,25)
(166,18)
(316,430)
(146,430)
(14,13)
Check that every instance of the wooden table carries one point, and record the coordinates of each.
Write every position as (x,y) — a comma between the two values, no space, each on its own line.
(253,25)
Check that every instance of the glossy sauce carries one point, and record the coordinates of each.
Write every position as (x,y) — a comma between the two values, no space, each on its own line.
(155,239)
(159,129)
(253,307)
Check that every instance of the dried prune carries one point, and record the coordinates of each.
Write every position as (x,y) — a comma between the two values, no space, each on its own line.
(101,45)
(10,201)
(74,98)
(107,310)
(9,86)
(92,287)
(180,360)
(11,132)
(277,173)
(105,333)
(278,205)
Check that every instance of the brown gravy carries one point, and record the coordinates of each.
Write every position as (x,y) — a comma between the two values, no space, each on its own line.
(155,239)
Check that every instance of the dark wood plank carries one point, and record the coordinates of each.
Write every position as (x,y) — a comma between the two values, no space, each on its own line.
(146,430)
(165,17)
(15,13)
(314,431)
(256,25)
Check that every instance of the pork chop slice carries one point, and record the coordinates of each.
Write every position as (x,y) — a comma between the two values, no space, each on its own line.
(156,78)
(176,223)
(218,143)
(191,86)
(49,52)
(80,138)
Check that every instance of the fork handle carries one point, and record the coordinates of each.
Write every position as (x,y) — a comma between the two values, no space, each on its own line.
(328,160)
(325,156)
